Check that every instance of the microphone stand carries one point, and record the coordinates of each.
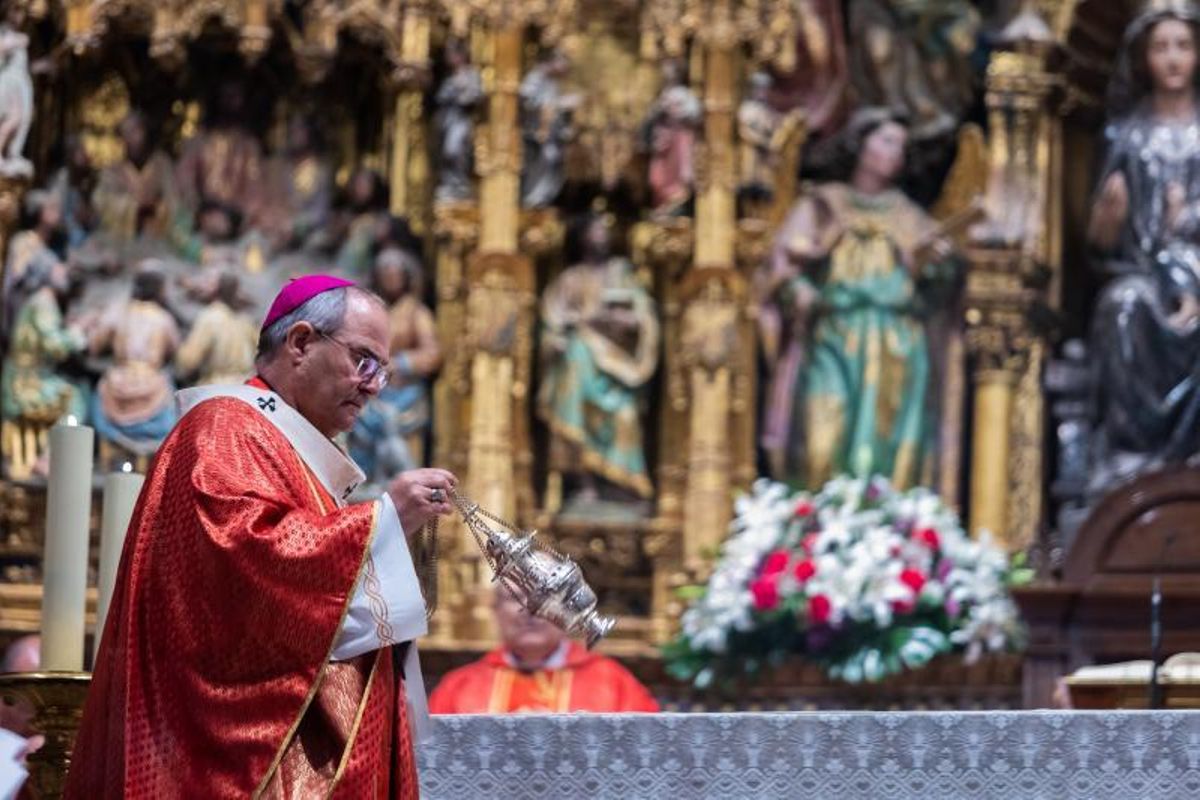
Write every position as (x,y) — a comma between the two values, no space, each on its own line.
(1155,641)
(1155,700)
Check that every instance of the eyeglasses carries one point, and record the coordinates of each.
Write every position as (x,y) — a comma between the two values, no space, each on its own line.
(368,368)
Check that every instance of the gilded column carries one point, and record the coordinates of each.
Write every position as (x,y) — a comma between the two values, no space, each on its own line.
(990,487)
(499,322)
(500,167)
(1012,275)
(409,161)
(1005,353)
(498,274)
(707,505)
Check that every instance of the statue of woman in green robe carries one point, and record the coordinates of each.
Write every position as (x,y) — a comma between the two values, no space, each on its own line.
(842,329)
(600,347)
(39,341)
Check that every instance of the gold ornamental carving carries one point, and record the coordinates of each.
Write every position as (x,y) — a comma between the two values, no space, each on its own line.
(553,18)
(1001,299)
(768,27)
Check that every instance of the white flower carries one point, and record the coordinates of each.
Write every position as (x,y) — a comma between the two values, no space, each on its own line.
(859,554)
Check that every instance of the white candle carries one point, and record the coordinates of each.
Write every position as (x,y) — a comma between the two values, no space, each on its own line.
(65,558)
(120,496)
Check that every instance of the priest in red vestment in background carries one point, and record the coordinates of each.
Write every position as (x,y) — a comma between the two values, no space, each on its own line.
(260,638)
(537,670)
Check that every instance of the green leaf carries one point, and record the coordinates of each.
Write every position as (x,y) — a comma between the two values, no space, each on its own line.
(691,593)
(1021,576)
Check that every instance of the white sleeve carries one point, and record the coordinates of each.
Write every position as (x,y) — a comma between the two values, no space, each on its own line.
(387,607)
(12,771)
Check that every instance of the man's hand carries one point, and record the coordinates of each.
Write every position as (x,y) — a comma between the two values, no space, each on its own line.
(421,494)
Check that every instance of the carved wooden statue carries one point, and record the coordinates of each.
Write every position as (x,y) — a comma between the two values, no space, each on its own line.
(454,123)
(547,112)
(16,102)
(850,363)
(390,433)
(133,407)
(600,346)
(224,162)
(1145,229)
(137,196)
(757,123)
(913,55)
(671,130)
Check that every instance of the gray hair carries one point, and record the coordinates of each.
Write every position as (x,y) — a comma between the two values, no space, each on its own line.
(325,311)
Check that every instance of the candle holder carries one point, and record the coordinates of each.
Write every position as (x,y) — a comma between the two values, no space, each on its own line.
(57,699)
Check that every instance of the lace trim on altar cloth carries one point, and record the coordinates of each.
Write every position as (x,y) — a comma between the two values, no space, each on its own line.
(848,756)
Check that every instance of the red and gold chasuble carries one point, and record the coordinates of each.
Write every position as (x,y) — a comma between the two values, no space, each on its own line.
(213,677)
(585,682)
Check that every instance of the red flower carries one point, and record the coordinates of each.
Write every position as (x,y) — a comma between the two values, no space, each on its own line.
(775,563)
(903,606)
(804,570)
(928,537)
(913,579)
(766,594)
(803,508)
(818,609)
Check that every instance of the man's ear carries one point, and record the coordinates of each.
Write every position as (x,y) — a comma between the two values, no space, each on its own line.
(299,338)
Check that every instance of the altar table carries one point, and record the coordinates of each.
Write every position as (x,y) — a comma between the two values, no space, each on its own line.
(1022,755)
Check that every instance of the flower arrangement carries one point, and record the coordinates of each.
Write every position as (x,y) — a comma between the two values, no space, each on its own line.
(861,578)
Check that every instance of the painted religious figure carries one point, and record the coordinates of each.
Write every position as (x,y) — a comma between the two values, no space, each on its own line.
(364,223)
(16,101)
(672,126)
(915,55)
(547,112)
(220,347)
(136,196)
(1145,230)
(74,183)
(224,163)
(39,341)
(600,343)
(454,122)
(842,330)
(31,247)
(301,188)
(134,403)
(757,122)
(815,85)
(390,433)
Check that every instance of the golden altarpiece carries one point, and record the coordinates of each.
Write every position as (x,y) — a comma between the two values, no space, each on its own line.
(370,72)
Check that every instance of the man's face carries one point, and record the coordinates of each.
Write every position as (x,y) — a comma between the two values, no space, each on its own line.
(335,394)
(529,638)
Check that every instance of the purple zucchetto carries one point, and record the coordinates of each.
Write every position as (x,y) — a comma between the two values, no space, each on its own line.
(299,291)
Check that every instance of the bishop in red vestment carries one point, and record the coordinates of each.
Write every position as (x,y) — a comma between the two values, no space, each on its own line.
(537,670)
(260,638)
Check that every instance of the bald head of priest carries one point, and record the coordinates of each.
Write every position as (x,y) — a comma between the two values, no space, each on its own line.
(261,638)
